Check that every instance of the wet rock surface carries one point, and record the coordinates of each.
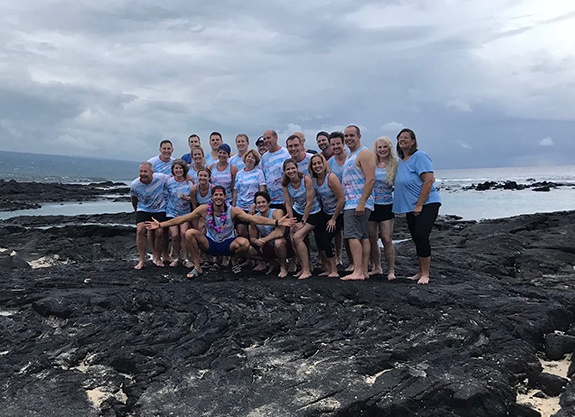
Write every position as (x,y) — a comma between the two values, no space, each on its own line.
(84,334)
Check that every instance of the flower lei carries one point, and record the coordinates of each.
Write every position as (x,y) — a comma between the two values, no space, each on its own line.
(211,219)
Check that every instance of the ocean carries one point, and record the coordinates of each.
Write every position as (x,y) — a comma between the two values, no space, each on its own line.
(452,183)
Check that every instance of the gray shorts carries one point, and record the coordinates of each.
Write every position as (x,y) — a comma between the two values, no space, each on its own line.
(355,227)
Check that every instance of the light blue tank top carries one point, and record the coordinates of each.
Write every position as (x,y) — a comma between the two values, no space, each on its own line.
(223,178)
(336,168)
(299,198)
(325,195)
(354,182)
(227,231)
(382,191)
(206,199)
(263,229)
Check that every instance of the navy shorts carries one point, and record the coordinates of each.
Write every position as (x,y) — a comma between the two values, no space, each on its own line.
(220,248)
(146,216)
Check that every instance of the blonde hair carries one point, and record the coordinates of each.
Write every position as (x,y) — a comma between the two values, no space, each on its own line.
(256,155)
(391,163)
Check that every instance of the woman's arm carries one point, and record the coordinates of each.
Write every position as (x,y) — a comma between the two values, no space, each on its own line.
(309,195)
(288,202)
(337,189)
(428,180)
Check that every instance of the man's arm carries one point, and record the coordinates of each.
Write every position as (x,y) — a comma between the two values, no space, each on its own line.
(196,214)
(366,162)
(242,215)
(135,202)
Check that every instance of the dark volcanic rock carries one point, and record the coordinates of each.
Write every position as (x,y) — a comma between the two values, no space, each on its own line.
(89,335)
(26,195)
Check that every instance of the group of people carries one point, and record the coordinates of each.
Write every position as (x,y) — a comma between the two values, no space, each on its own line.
(262,204)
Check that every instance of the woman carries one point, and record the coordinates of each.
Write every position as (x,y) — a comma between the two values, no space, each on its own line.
(381,221)
(268,242)
(224,173)
(201,193)
(330,194)
(416,195)
(198,162)
(301,202)
(242,143)
(248,181)
(178,204)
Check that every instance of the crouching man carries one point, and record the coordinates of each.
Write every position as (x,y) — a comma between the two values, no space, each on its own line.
(220,238)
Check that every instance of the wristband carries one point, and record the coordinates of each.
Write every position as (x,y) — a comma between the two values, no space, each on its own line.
(303,221)
(276,223)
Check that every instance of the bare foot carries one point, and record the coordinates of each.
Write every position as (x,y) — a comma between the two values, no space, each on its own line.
(333,275)
(323,274)
(415,277)
(423,280)
(283,273)
(158,262)
(175,263)
(188,263)
(140,265)
(261,266)
(376,272)
(270,270)
(353,277)
(391,276)
(349,269)
(297,274)
(304,275)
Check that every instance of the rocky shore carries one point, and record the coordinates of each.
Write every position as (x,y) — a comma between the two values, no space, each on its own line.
(84,334)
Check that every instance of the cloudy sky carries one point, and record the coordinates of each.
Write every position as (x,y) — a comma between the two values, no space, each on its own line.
(483,84)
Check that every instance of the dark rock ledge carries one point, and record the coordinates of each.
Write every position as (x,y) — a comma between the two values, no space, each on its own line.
(90,336)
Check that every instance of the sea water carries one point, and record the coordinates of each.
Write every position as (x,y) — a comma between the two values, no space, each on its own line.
(466,203)
(489,204)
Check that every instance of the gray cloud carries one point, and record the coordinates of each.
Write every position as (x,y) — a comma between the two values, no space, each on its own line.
(113,79)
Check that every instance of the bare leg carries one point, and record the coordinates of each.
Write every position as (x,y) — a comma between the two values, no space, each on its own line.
(356,249)
(158,239)
(141,245)
(424,264)
(375,253)
(386,232)
(332,268)
(302,250)
(365,248)
(280,246)
(196,240)
(176,245)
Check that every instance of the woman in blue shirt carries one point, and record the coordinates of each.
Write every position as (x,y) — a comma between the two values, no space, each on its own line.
(416,195)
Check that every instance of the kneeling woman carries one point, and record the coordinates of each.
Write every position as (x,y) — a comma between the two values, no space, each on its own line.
(301,202)
(269,242)
(330,194)
(220,238)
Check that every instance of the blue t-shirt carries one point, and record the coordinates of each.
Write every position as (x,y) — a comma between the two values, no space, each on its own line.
(247,184)
(408,183)
(160,166)
(187,157)
(177,206)
(151,197)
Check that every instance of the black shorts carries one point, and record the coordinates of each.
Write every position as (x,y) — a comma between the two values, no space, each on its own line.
(145,216)
(381,213)
(313,219)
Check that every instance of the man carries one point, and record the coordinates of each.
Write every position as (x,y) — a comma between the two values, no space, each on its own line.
(336,163)
(301,135)
(219,238)
(339,154)
(322,140)
(272,166)
(147,193)
(163,163)
(193,142)
(295,147)
(260,143)
(242,144)
(358,181)
(215,142)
